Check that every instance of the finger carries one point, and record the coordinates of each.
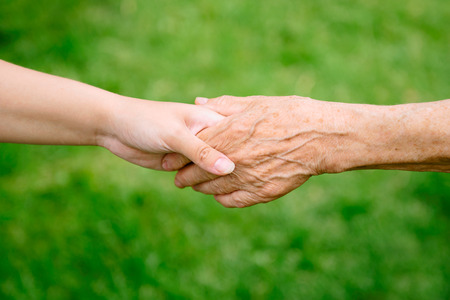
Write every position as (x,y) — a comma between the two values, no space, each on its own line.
(218,186)
(237,199)
(199,119)
(225,105)
(192,175)
(174,161)
(202,154)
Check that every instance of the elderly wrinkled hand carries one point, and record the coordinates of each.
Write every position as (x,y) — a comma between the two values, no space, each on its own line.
(277,143)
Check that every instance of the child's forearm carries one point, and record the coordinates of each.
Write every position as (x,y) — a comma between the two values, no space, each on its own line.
(38,108)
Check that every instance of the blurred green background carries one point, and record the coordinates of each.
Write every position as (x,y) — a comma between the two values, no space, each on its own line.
(79,223)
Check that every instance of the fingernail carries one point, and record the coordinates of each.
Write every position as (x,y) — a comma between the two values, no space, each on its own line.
(201,100)
(224,166)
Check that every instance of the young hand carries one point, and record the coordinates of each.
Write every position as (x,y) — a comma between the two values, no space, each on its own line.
(142,132)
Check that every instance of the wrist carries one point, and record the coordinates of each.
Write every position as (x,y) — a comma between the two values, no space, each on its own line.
(107,118)
(349,136)
(369,131)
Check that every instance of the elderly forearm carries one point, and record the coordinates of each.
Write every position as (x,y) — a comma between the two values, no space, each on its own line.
(413,137)
(38,108)
(278,143)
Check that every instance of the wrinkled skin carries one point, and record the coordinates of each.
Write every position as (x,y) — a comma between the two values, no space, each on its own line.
(276,144)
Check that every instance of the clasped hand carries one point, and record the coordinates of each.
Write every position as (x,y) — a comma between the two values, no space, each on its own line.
(275,145)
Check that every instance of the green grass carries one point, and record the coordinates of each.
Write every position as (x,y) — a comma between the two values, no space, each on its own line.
(79,223)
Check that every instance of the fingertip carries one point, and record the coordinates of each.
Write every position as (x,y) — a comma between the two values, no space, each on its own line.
(165,164)
(237,199)
(201,100)
(174,161)
(222,199)
(178,183)
(225,105)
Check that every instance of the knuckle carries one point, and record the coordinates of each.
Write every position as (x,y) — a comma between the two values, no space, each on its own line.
(240,128)
(203,153)
(219,188)
(270,190)
(239,204)
(176,132)
(216,187)
(222,99)
(172,140)
(245,202)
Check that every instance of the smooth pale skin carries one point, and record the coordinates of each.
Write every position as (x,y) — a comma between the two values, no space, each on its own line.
(37,108)
(278,143)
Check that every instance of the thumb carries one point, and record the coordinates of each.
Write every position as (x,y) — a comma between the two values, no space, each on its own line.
(224,105)
(203,155)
